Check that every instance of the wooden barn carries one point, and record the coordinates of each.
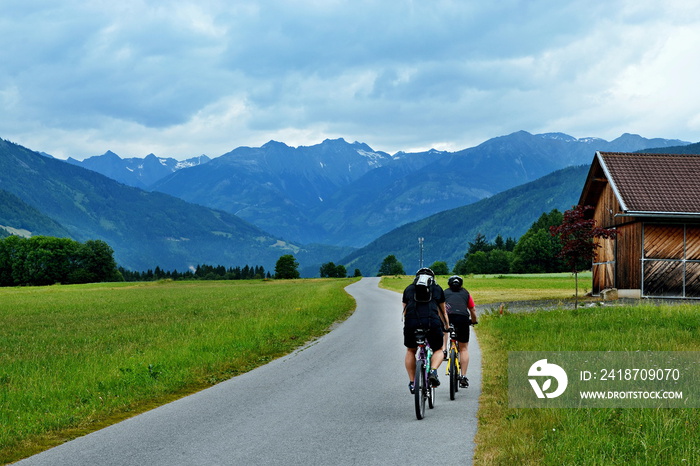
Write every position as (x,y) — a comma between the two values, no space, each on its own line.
(653,201)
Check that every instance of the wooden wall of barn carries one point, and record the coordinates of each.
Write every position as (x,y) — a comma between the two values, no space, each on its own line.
(618,264)
(629,256)
(606,208)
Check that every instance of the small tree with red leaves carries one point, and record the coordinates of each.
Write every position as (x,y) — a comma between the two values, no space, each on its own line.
(577,235)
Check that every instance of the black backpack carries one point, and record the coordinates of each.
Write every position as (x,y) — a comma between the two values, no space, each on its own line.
(423,288)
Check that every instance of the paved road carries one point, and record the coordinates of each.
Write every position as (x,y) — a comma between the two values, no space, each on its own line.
(341,400)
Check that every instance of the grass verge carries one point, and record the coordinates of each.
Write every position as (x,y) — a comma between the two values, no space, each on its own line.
(584,436)
(76,358)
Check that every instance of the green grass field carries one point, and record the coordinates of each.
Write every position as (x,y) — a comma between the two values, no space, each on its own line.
(595,436)
(76,358)
(495,289)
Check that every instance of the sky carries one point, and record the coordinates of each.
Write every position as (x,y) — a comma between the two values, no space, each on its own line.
(184,78)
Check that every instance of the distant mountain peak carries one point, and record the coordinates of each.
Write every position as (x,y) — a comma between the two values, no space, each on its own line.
(558,137)
(628,137)
(334,141)
(272,144)
(110,155)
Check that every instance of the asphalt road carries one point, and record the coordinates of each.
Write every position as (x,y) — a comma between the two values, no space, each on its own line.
(341,400)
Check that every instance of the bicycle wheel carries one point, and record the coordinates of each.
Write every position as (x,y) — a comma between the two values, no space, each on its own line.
(430,393)
(454,382)
(419,389)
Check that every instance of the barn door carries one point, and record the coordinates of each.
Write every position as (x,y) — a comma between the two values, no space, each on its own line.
(671,261)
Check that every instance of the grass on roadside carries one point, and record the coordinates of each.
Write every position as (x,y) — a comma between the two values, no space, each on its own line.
(74,358)
(585,435)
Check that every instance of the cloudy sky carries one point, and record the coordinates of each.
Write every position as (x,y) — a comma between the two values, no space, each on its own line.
(182,78)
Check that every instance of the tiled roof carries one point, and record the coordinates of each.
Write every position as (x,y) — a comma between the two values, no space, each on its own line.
(665,183)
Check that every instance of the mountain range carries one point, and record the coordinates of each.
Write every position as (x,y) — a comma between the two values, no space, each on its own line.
(348,194)
(137,172)
(252,205)
(145,229)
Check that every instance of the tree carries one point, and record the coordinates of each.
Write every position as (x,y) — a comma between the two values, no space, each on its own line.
(391,266)
(440,268)
(327,270)
(479,244)
(45,260)
(96,263)
(330,270)
(357,273)
(50,260)
(499,243)
(476,262)
(535,253)
(499,261)
(577,235)
(547,220)
(13,251)
(287,267)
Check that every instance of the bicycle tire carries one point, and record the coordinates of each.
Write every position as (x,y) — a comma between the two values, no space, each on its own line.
(430,393)
(454,383)
(419,389)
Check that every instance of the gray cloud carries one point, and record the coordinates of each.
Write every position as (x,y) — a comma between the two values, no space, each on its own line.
(180,78)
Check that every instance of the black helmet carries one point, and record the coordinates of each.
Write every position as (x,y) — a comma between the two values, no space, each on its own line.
(455,281)
(425,271)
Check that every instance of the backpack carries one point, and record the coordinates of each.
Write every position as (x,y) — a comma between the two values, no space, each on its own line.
(423,291)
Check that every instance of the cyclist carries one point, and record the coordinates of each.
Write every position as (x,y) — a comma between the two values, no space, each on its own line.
(462,313)
(427,312)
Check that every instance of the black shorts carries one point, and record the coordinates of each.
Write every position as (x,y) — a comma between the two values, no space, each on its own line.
(461,323)
(435,334)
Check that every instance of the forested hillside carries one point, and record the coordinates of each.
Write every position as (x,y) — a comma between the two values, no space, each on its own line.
(447,234)
(684,149)
(144,229)
(19,218)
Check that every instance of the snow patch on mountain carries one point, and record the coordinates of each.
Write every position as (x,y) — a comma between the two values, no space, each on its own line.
(374,159)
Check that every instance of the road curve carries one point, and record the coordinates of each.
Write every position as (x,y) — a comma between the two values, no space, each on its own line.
(340,400)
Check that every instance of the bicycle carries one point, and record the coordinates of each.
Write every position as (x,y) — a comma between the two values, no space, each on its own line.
(423,389)
(453,370)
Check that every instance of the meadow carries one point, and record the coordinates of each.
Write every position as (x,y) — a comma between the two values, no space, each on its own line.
(77,358)
(575,436)
(496,289)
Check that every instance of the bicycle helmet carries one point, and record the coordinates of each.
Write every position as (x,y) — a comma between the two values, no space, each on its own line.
(455,282)
(425,271)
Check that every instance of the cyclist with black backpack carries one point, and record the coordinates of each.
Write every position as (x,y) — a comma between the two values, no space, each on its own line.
(424,307)
(462,314)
